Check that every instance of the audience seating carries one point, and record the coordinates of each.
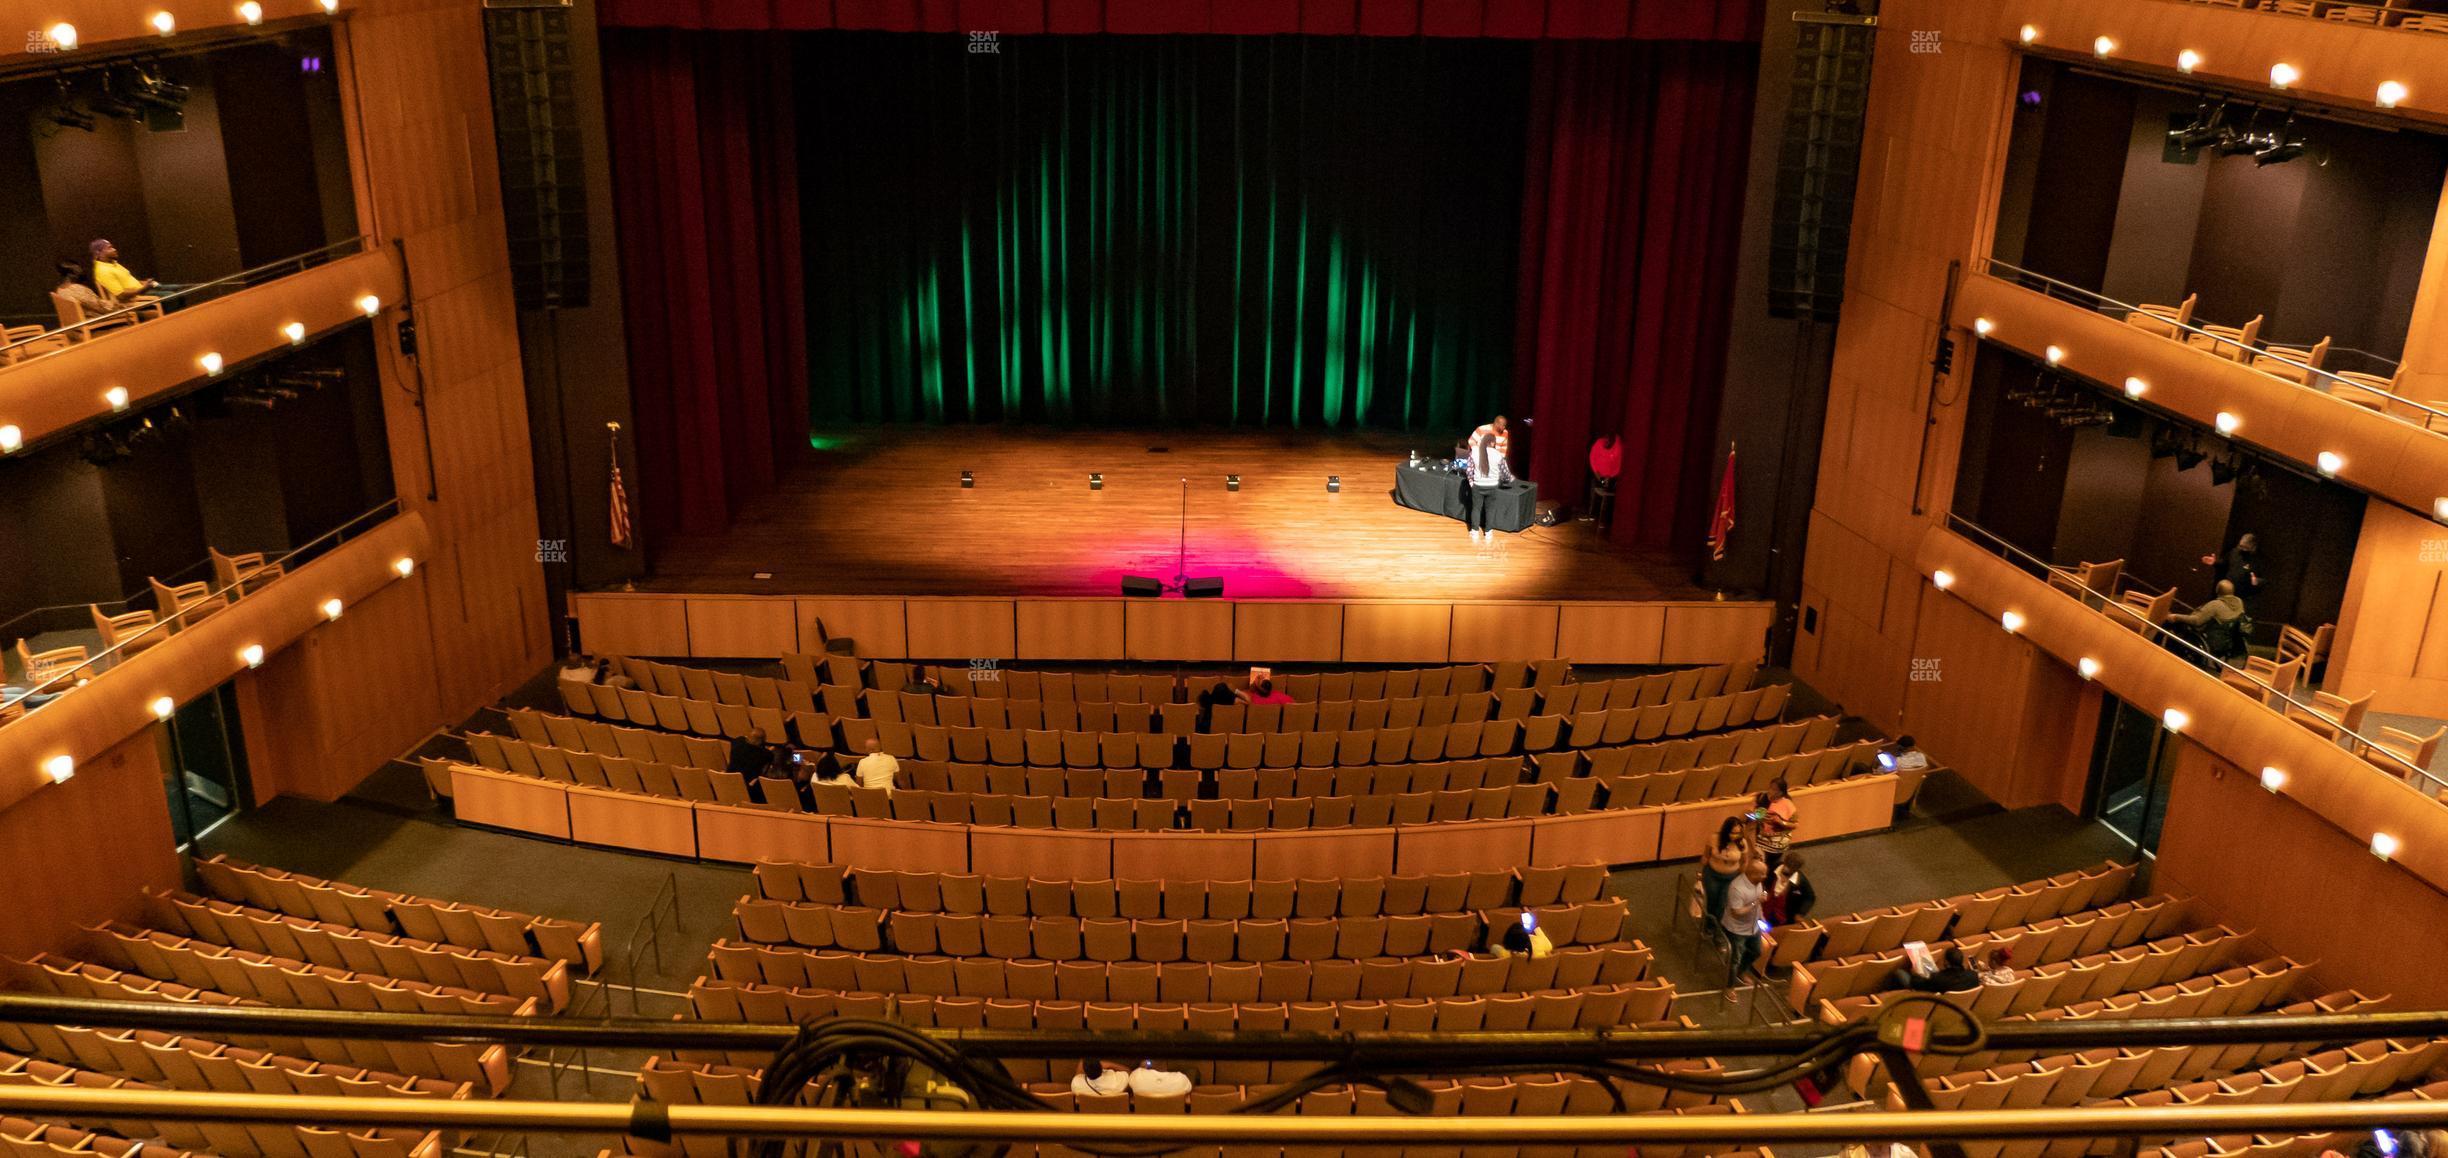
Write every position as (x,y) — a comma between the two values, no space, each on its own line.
(133,629)
(1358,896)
(186,604)
(374,910)
(2347,712)
(1881,930)
(27,342)
(2165,321)
(2042,942)
(21,1138)
(347,947)
(243,574)
(41,667)
(2234,343)
(2134,969)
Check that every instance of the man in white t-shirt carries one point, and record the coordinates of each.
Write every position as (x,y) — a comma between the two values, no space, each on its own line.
(877,768)
(1490,467)
(1148,1081)
(1907,757)
(1095,1077)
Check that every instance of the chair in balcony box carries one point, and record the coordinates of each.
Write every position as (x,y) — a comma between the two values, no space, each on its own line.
(186,604)
(2234,343)
(2312,647)
(2089,582)
(244,573)
(131,629)
(2369,391)
(2288,362)
(43,666)
(2259,677)
(2163,320)
(2414,750)
(2140,612)
(2346,712)
(143,309)
(24,343)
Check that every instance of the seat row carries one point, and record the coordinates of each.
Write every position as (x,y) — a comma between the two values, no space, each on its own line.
(485,1067)
(346,947)
(277,980)
(24,1138)
(820,926)
(2173,1075)
(1359,896)
(2053,939)
(618,773)
(1878,930)
(2099,975)
(239,1140)
(2299,1145)
(1110,814)
(192,1063)
(375,910)
(996,682)
(1229,982)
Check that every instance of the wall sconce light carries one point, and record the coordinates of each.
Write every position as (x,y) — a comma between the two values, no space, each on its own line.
(211,364)
(251,12)
(163,706)
(2228,423)
(1232,482)
(252,654)
(2174,719)
(1982,326)
(165,23)
(2391,94)
(331,7)
(2383,845)
(10,439)
(2273,779)
(1943,578)
(2188,60)
(2439,509)
(331,609)
(369,305)
(405,566)
(1096,481)
(2330,463)
(2055,354)
(2135,387)
(60,768)
(2030,34)
(2089,667)
(295,332)
(117,396)
(1334,484)
(2102,47)
(2012,620)
(968,481)
(63,36)
(2283,74)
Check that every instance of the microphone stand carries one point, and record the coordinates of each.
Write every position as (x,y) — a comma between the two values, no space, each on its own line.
(1181,558)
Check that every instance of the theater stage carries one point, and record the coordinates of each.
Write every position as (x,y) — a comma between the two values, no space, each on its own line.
(881,510)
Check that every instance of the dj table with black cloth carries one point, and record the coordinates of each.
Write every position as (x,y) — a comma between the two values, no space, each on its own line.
(1439,492)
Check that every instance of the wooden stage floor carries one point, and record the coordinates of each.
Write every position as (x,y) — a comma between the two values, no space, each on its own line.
(881,511)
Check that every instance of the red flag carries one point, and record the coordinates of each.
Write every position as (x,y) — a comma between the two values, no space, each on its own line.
(620,497)
(1721,523)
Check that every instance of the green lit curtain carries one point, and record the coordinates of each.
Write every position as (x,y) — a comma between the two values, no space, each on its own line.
(1290,231)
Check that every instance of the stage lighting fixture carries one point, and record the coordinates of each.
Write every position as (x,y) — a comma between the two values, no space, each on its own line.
(117,397)
(2228,423)
(2189,456)
(1096,482)
(68,117)
(251,12)
(2222,470)
(1232,482)
(1334,484)
(2029,34)
(2330,463)
(2174,719)
(1210,587)
(2392,93)
(60,768)
(1141,587)
(2209,124)
(2188,60)
(164,707)
(2089,667)
(2283,75)
(968,481)
(10,439)
(165,23)
(2103,47)
(2278,149)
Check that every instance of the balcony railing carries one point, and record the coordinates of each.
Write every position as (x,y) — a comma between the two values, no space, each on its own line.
(2388,14)
(55,340)
(2295,703)
(66,677)
(2372,391)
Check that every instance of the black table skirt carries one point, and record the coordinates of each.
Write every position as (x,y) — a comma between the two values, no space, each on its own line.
(1439,492)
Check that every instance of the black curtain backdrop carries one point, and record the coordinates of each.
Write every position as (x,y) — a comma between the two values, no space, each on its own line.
(1274,231)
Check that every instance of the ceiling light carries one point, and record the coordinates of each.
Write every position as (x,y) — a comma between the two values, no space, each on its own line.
(252,654)
(163,706)
(2013,621)
(2392,93)
(331,7)
(2283,74)
(2029,34)
(295,332)
(369,305)
(2135,387)
(2174,719)
(405,566)
(2273,779)
(2331,462)
(60,768)
(1982,326)
(2055,354)
(331,609)
(2088,666)
(2383,845)
(2102,47)
(251,12)
(1945,578)
(10,439)
(63,36)
(117,396)
(2228,423)
(2188,60)
(165,23)
(211,363)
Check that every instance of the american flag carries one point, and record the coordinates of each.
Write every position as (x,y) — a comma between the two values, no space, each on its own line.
(621,534)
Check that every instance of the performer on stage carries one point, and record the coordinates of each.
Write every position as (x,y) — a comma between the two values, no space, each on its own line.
(1489,468)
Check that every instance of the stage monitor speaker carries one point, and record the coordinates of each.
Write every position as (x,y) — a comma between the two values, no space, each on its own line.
(1141,587)
(1818,163)
(543,165)
(1208,588)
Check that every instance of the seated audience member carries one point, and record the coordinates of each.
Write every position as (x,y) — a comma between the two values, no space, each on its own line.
(610,676)
(1790,896)
(578,669)
(1219,696)
(1519,938)
(1263,692)
(1952,976)
(112,278)
(1901,756)
(750,757)
(2218,626)
(1148,1081)
(77,286)
(877,768)
(1996,967)
(1095,1077)
(1745,902)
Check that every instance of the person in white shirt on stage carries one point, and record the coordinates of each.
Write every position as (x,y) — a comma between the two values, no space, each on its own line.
(877,768)
(1490,467)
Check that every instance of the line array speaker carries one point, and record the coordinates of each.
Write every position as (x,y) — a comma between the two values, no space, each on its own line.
(543,173)
(1818,163)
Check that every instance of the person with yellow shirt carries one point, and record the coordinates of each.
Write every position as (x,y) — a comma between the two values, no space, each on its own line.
(113,279)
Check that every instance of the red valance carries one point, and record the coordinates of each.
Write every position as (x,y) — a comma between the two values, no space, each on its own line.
(1726,20)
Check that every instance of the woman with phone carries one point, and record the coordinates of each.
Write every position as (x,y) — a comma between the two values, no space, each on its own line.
(1721,863)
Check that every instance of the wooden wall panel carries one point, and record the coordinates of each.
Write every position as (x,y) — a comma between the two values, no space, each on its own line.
(1612,632)
(1041,853)
(632,821)
(1494,631)
(1079,629)
(1964,701)
(1346,852)
(643,625)
(1178,629)
(961,629)
(877,625)
(1181,856)
(720,628)
(1442,848)
(1397,632)
(335,686)
(1715,632)
(747,835)
(78,853)
(902,845)
(1614,836)
(1287,632)
(507,800)
(2390,627)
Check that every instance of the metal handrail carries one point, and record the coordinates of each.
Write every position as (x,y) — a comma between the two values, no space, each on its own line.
(99,663)
(647,935)
(2159,633)
(190,293)
(2314,377)
(31,622)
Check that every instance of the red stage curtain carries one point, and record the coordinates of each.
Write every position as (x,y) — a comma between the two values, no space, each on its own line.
(1735,20)
(706,185)
(1632,204)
